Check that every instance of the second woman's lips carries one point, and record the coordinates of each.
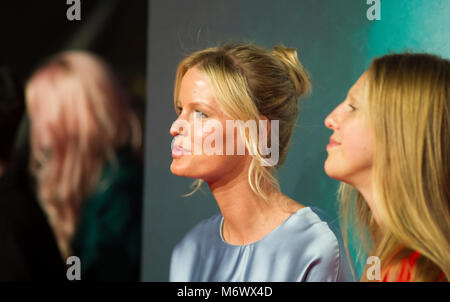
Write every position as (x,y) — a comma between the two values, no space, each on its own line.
(332,143)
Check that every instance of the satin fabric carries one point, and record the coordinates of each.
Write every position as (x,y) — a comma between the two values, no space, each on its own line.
(303,248)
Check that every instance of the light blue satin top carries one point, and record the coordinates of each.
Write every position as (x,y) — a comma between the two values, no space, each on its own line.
(302,248)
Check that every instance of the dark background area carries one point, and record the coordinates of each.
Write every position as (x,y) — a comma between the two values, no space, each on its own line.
(32,31)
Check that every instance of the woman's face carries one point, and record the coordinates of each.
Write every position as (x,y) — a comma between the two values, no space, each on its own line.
(352,144)
(192,136)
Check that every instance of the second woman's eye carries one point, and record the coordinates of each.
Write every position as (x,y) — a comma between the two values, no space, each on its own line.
(353,108)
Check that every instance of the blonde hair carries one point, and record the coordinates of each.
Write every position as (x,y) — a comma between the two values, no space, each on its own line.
(408,98)
(79,117)
(249,81)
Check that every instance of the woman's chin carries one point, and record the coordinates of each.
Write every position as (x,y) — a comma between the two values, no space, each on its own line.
(331,170)
(180,170)
(176,170)
(327,167)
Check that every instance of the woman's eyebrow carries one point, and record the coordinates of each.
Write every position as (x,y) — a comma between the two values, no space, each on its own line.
(352,98)
(198,103)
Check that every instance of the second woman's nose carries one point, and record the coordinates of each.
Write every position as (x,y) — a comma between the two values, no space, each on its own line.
(330,121)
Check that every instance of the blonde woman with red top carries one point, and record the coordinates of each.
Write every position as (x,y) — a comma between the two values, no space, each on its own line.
(390,149)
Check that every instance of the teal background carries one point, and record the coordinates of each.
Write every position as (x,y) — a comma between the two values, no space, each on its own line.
(335,42)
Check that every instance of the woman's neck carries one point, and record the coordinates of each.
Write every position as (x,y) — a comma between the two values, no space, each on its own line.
(247,216)
(366,190)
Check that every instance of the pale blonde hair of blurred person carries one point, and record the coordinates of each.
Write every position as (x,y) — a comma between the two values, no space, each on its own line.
(79,117)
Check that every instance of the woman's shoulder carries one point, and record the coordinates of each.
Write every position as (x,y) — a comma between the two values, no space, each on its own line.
(302,234)
(124,167)
(321,237)
(120,177)
(311,219)
(116,200)
(317,225)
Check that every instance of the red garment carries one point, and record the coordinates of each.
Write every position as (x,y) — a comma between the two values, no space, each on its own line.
(406,267)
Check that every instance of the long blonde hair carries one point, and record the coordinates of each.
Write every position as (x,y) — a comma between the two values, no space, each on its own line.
(408,97)
(249,81)
(79,117)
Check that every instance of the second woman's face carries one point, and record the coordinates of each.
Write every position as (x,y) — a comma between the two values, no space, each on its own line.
(192,136)
(352,144)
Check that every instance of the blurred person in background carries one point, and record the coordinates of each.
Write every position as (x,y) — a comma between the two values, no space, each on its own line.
(28,249)
(85,154)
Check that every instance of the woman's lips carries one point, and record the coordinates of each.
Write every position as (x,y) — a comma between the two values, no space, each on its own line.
(178,151)
(332,143)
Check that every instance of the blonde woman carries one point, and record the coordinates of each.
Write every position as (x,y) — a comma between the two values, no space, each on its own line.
(390,148)
(260,234)
(84,138)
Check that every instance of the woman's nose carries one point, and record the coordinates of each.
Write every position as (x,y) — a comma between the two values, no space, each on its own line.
(174,130)
(178,127)
(331,121)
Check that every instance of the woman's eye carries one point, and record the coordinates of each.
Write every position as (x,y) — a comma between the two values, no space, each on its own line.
(200,114)
(179,109)
(353,108)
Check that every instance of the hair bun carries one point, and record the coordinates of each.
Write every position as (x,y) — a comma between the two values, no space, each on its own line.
(288,57)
